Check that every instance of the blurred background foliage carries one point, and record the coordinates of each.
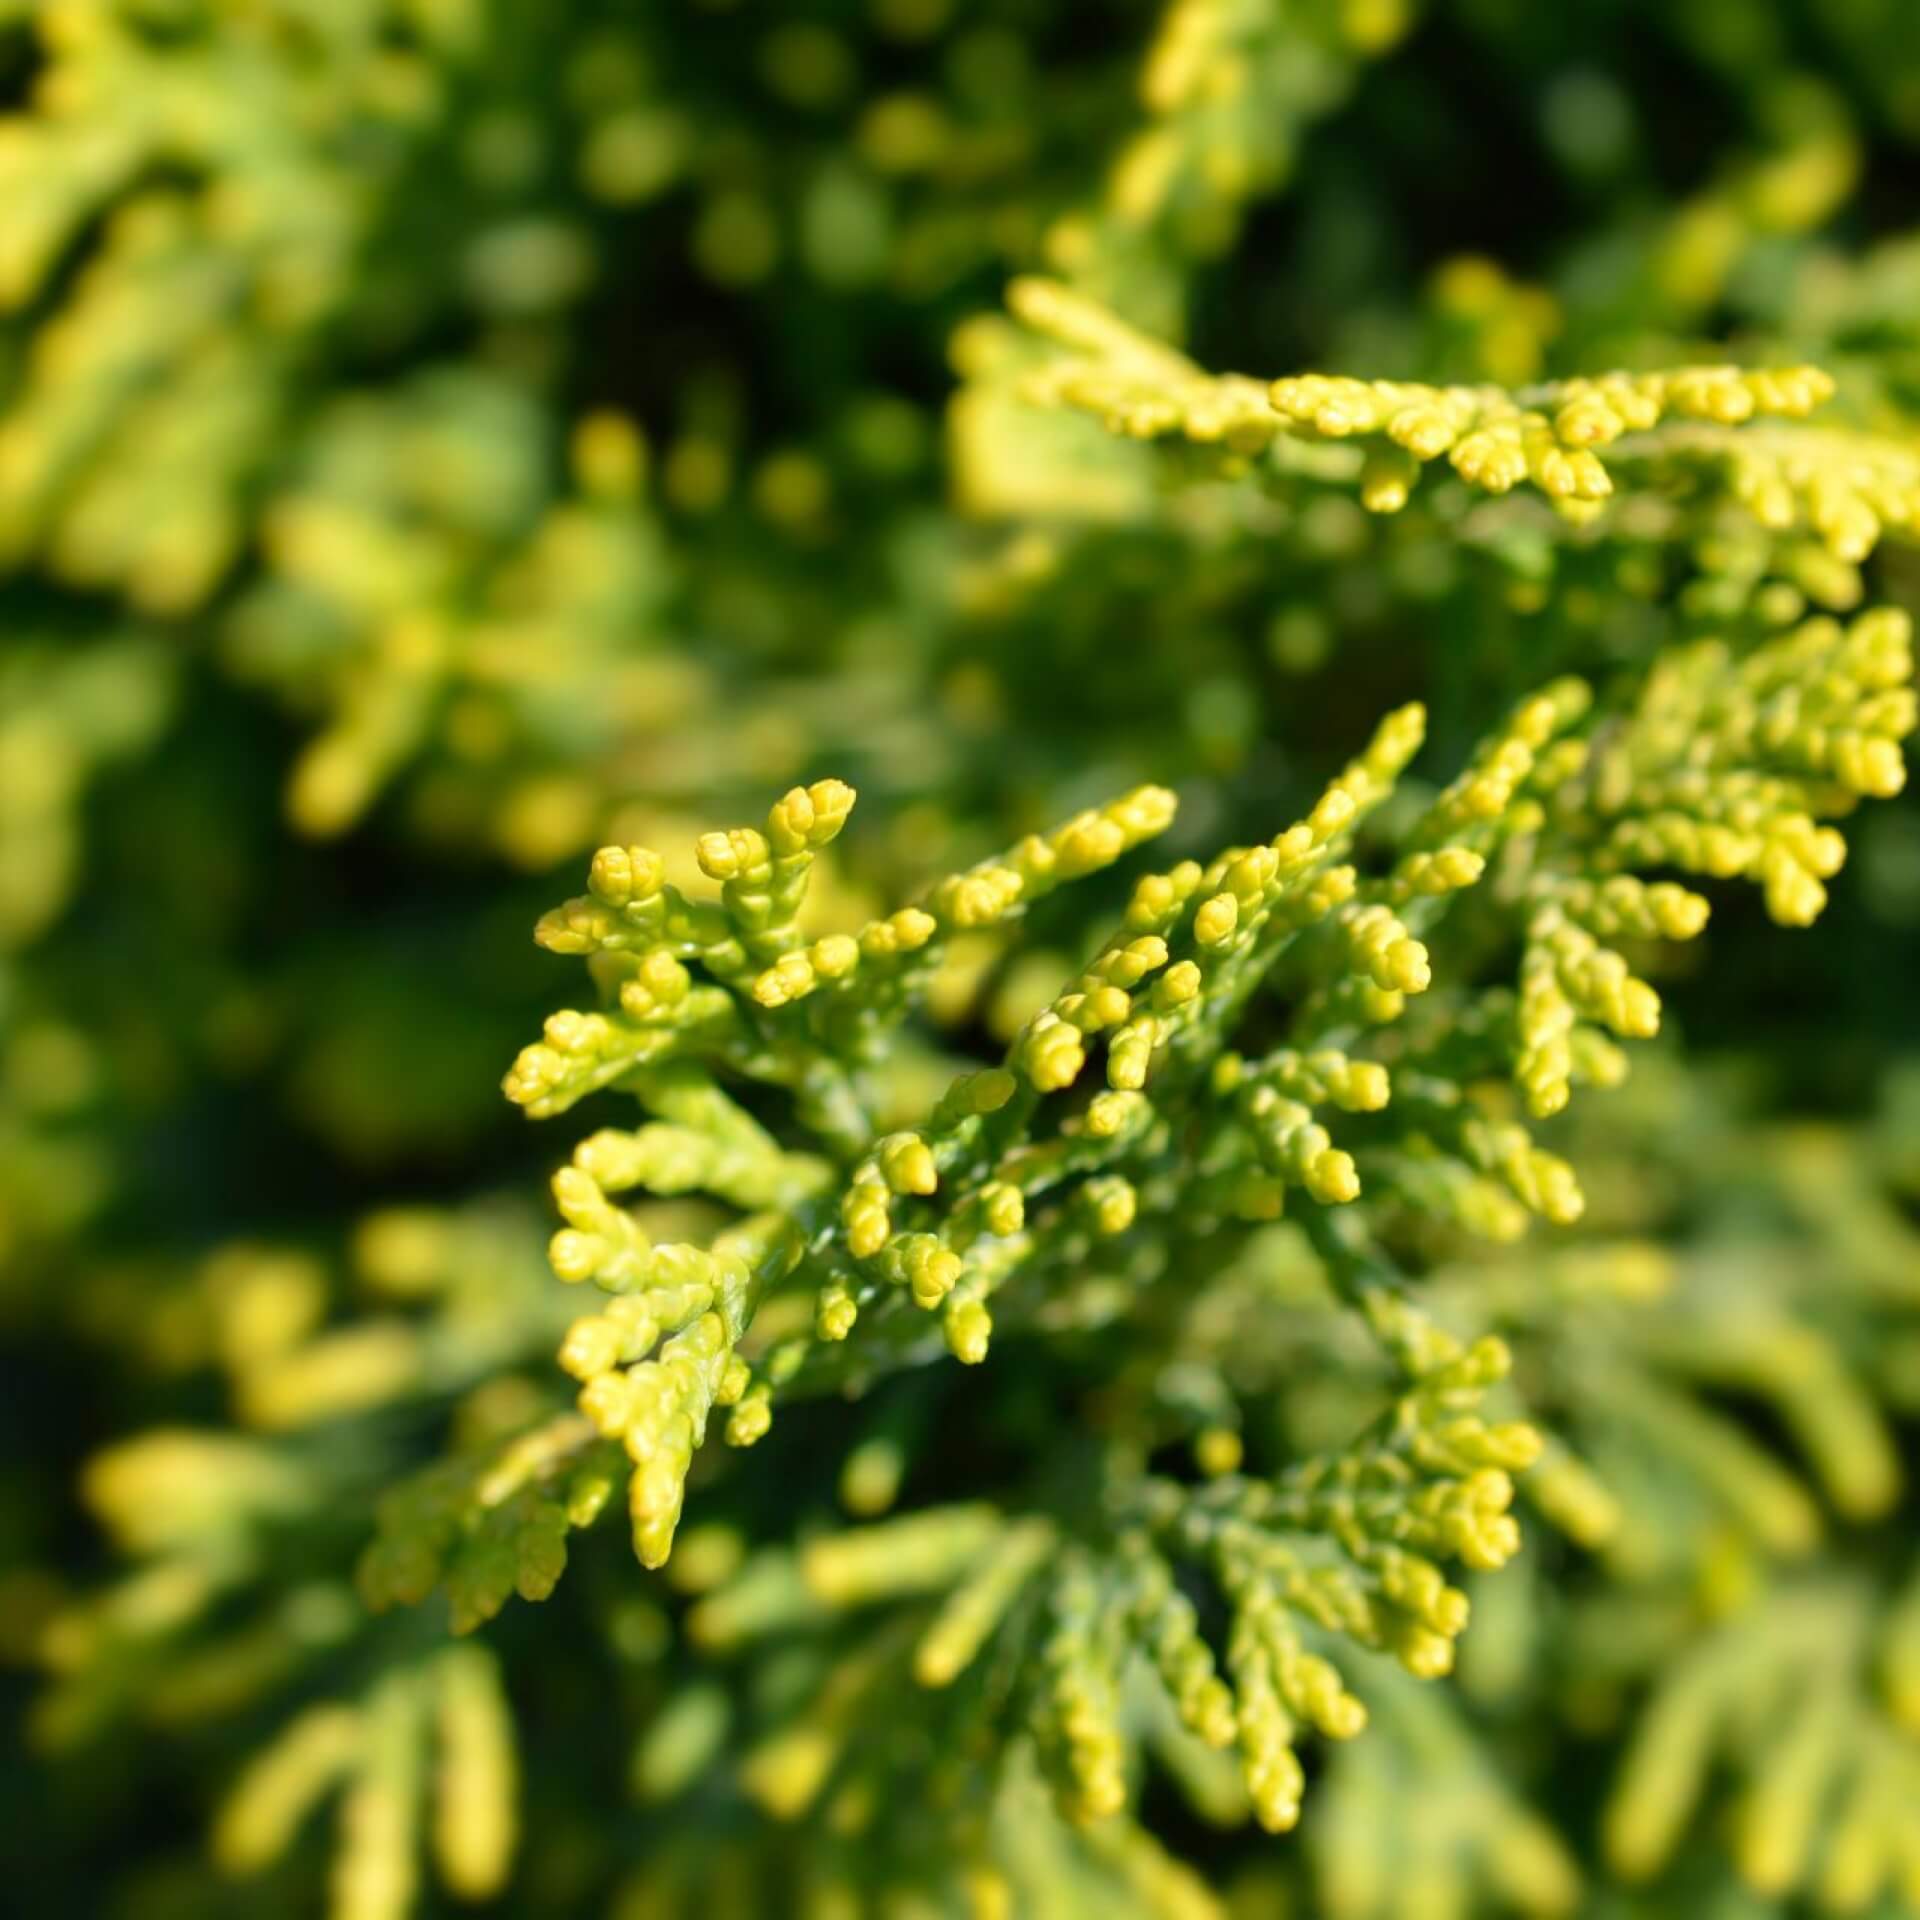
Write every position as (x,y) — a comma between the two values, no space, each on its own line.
(439,436)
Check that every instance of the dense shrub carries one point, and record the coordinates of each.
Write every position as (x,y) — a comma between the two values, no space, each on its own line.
(1279,1183)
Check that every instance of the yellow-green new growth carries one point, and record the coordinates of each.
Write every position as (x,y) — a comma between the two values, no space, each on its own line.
(1573,441)
(1720,762)
(1122,1127)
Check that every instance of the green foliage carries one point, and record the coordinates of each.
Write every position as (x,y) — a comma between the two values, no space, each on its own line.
(1305,1215)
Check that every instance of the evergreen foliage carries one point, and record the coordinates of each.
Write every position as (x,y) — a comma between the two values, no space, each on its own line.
(1280,1187)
